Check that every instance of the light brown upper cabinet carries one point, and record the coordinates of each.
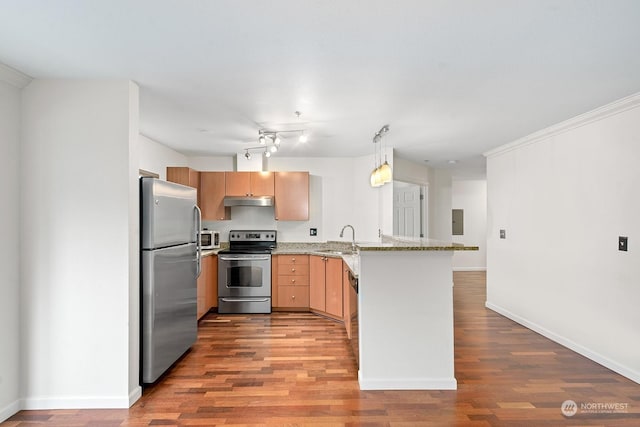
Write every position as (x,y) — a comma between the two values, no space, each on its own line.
(292,196)
(212,190)
(249,184)
(184,176)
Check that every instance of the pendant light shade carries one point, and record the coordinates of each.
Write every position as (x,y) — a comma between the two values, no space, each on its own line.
(385,172)
(376,178)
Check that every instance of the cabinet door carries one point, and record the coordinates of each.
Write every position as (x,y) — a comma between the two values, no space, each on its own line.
(238,183)
(292,196)
(211,265)
(316,282)
(333,286)
(346,299)
(212,187)
(291,296)
(182,175)
(262,184)
(202,284)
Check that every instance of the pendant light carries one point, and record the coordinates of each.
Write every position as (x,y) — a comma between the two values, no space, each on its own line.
(374,179)
(381,174)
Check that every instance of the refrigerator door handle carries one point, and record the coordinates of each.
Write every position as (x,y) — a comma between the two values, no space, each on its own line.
(198,225)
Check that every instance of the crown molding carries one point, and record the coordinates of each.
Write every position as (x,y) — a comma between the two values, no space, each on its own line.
(600,113)
(13,76)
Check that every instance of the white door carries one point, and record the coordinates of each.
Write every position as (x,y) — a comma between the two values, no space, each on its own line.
(406,215)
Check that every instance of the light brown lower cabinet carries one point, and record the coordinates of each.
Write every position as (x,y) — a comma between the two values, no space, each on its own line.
(325,285)
(346,299)
(293,296)
(207,284)
(290,282)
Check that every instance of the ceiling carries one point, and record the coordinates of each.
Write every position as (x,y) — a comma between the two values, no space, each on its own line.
(452,78)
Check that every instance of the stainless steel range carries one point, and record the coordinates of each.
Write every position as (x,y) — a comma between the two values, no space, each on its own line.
(244,272)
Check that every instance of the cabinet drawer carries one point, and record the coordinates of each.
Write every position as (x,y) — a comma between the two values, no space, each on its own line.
(293,269)
(293,296)
(293,280)
(293,259)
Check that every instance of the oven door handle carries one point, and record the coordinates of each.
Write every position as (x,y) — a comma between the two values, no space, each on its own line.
(241,258)
(245,299)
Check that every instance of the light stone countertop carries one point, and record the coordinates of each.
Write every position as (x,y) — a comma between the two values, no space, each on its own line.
(343,249)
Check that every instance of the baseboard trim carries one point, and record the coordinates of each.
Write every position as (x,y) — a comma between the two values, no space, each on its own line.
(9,410)
(566,342)
(74,402)
(135,394)
(469,268)
(408,384)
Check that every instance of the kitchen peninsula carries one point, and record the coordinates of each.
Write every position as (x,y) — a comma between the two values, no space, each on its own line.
(405,312)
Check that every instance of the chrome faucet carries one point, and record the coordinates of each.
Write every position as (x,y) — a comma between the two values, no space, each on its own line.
(353,240)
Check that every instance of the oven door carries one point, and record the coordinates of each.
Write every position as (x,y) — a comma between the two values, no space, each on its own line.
(244,275)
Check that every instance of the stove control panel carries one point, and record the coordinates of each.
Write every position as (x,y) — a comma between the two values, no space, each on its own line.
(252,236)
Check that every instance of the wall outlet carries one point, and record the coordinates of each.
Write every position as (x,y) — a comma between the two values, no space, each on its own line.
(622,243)
(503,234)
(313,232)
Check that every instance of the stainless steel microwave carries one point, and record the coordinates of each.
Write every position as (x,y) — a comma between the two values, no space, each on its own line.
(209,239)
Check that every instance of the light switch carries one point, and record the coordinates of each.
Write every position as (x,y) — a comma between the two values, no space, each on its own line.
(622,243)
(503,234)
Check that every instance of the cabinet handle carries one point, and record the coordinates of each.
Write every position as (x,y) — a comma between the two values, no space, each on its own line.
(293,280)
(293,270)
(293,297)
(293,260)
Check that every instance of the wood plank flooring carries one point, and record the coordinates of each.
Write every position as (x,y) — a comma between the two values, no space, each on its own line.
(297,369)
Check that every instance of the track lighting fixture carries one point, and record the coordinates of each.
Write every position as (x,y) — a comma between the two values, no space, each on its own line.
(269,140)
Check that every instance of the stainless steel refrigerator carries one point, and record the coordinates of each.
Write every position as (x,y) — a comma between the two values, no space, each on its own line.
(170,264)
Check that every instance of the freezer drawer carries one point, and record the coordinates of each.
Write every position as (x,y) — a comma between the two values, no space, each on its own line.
(169,322)
(244,305)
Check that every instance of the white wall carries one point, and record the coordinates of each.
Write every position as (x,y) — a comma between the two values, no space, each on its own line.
(9,248)
(339,194)
(155,157)
(471,196)
(410,171)
(134,390)
(439,205)
(564,195)
(78,161)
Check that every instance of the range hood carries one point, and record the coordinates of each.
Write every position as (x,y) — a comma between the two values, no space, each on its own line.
(248,201)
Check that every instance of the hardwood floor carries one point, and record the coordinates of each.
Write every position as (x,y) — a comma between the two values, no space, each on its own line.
(297,369)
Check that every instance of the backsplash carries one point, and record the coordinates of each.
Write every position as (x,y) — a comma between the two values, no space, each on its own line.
(263,218)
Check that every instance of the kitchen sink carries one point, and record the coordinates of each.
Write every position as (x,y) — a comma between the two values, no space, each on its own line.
(336,252)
